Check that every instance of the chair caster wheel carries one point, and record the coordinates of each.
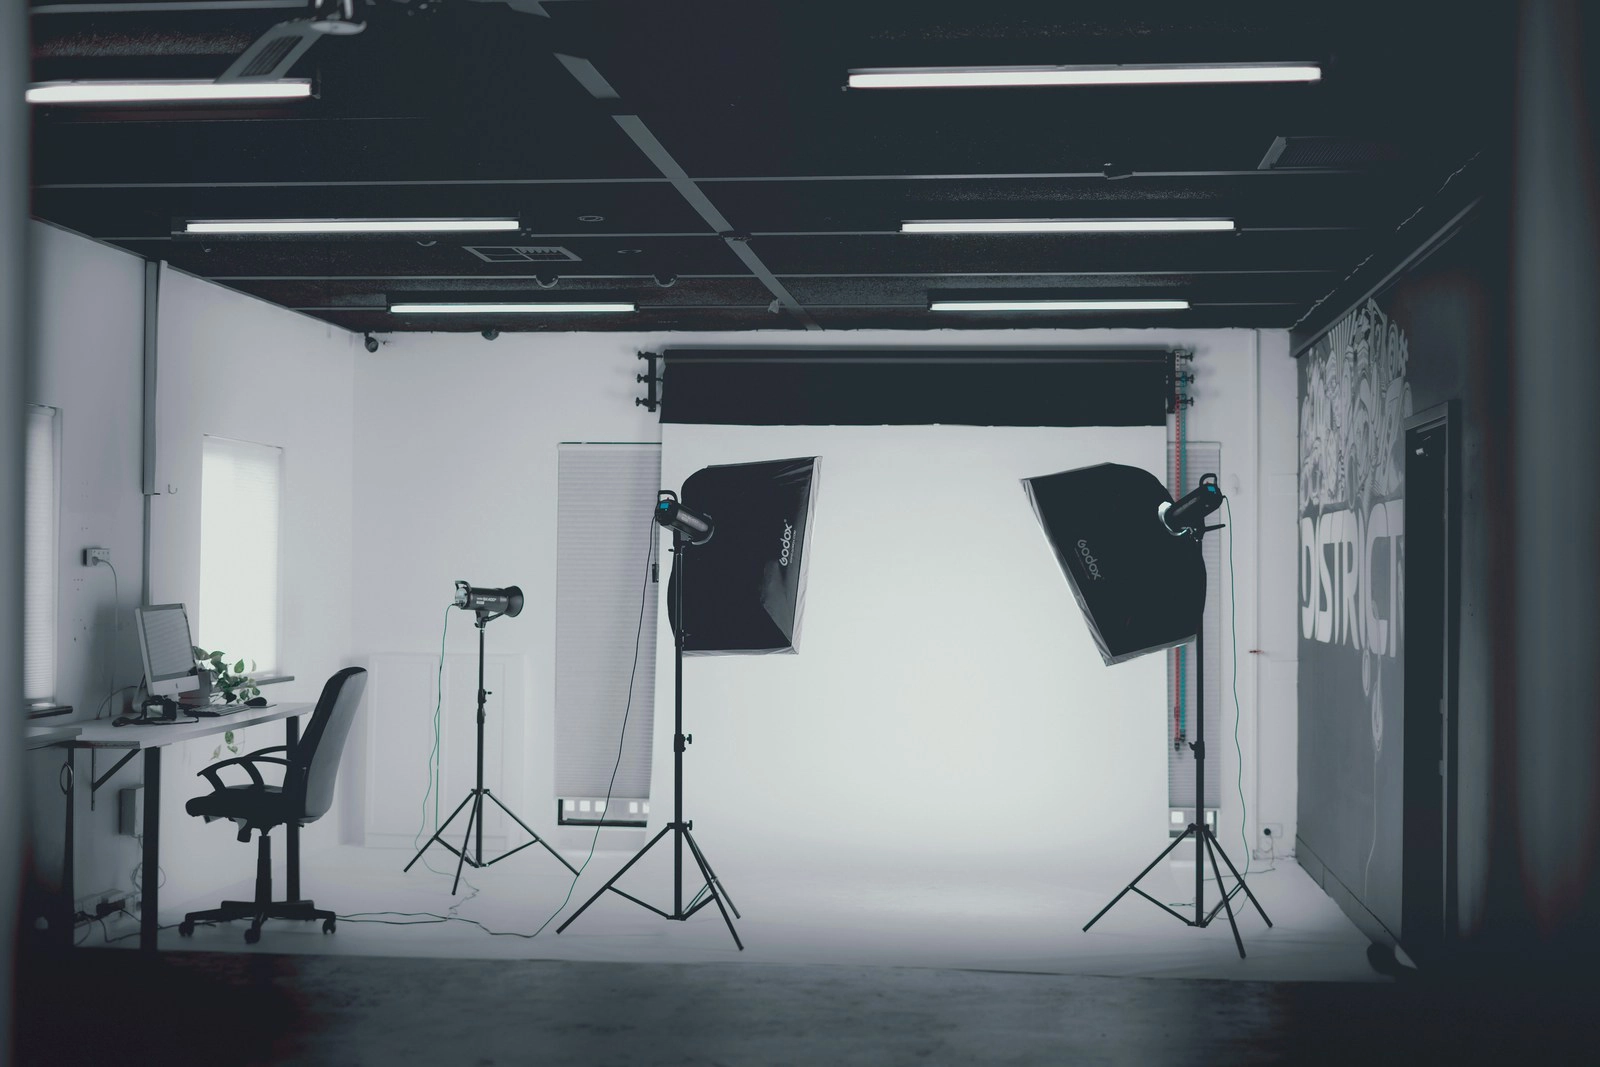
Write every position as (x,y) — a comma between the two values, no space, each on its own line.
(186,929)
(252,935)
(329,926)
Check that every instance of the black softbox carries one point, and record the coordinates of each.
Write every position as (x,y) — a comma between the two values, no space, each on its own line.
(746,586)
(1141,589)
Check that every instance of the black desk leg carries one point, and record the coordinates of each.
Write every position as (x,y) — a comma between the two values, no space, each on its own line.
(291,738)
(69,786)
(150,871)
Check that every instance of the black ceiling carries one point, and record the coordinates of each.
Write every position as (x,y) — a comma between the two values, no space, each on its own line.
(790,188)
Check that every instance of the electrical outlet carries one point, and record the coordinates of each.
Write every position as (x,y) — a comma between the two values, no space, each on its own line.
(1272,835)
(113,904)
(91,556)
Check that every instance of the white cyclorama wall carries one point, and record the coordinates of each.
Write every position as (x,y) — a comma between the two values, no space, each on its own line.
(233,366)
(88,362)
(455,478)
(947,697)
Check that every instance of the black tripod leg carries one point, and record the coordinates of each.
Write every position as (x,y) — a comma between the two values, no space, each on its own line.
(613,879)
(716,892)
(531,834)
(1227,902)
(1176,841)
(711,876)
(1242,882)
(477,813)
(436,834)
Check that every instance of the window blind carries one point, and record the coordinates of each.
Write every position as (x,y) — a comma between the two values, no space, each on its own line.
(240,505)
(605,534)
(41,511)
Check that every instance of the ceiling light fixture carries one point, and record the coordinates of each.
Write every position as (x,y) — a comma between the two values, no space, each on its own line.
(166,92)
(1067,226)
(279,226)
(1058,305)
(336,17)
(508,309)
(1127,74)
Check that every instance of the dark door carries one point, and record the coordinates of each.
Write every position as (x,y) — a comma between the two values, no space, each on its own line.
(1428,867)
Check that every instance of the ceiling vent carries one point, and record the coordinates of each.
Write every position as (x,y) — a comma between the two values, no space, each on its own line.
(522,253)
(1335,153)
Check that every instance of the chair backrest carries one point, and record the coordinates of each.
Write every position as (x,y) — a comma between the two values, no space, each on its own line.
(316,758)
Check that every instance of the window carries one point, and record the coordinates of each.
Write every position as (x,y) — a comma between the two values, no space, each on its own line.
(39,544)
(605,535)
(240,494)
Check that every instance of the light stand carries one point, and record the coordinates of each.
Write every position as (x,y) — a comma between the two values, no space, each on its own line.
(1205,839)
(679,828)
(478,793)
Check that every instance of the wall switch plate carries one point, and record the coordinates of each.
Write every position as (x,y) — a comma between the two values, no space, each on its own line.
(91,556)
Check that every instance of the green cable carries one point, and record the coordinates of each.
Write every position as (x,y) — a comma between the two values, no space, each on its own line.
(1233,630)
(433,756)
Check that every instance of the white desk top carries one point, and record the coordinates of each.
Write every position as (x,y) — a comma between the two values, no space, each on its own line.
(103,735)
(45,736)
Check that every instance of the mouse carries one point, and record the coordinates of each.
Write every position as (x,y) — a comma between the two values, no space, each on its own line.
(256,702)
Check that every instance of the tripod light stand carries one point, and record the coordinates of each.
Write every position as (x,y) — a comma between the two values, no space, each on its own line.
(698,528)
(488,604)
(1133,561)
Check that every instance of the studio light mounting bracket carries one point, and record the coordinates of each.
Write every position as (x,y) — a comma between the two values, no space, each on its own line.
(651,380)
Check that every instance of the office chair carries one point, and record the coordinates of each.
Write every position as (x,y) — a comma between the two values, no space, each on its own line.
(305,796)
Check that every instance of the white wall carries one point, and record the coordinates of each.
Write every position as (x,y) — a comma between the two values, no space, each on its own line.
(237,367)
(88,362)
(228,364)
(455,472)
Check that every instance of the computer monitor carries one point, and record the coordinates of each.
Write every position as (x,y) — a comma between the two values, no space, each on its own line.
(168,652)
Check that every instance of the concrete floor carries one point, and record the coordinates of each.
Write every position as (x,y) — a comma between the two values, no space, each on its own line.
(879,961)
(221,1009)
(1023,915)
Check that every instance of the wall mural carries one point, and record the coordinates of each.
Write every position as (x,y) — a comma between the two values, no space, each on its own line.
(1354,400)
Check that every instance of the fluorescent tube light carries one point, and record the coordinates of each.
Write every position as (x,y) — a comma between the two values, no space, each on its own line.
(506,309)
(164,92)
(1058,305)
(269,226)
(1067,226)
(1129,74)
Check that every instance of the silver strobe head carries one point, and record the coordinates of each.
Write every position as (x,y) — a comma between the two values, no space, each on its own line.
(489,603)
(695,527)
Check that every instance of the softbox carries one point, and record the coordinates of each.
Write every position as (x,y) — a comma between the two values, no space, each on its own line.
(746,585)
(1141,588)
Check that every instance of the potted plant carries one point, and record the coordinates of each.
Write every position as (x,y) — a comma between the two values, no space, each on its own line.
(234,685)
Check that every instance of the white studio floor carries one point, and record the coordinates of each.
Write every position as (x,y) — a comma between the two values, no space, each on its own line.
(959,913)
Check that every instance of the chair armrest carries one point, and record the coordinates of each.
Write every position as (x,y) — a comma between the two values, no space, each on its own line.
(261,751)
(247,762)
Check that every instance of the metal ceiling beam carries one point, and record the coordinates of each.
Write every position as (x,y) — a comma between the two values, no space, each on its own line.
(737,242)
(382,183)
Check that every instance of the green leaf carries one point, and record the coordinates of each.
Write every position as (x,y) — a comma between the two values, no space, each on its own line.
(199,653)
(228,737)
(238,668)
(252,666)
(216,752)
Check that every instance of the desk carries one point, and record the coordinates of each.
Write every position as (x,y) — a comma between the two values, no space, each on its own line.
(150,740)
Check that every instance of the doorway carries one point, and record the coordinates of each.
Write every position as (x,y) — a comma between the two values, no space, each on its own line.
(1431,643)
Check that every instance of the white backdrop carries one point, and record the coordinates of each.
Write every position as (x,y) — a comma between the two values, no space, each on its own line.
(947,701)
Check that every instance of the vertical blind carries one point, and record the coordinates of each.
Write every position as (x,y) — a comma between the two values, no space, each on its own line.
(605,534)
(39,543)
(240,504)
